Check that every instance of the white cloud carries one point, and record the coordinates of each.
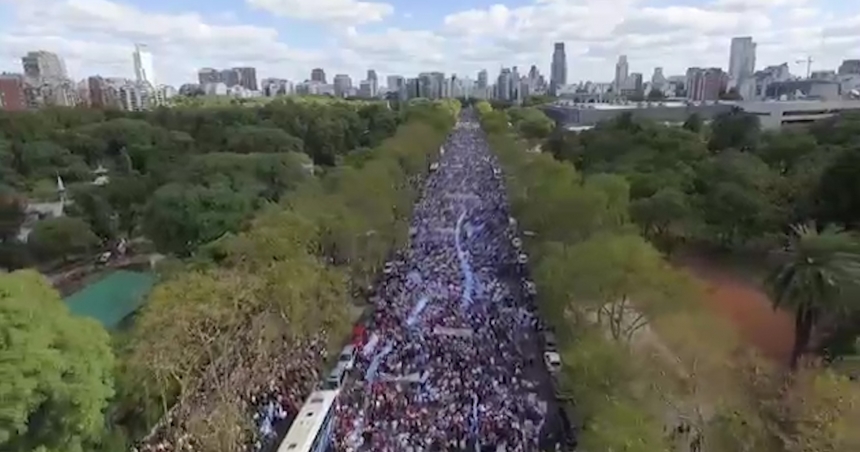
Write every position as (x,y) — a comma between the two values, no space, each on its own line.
(96,36)
(349,12)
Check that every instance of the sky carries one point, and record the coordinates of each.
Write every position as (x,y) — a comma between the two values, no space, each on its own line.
(288,38)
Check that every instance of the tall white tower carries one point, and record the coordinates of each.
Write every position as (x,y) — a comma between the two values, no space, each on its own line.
(143,71)
(741,60)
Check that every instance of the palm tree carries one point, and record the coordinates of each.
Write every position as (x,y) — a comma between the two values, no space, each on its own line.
(817,274)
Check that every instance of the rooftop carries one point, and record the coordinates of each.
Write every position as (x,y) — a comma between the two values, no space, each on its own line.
(112,298)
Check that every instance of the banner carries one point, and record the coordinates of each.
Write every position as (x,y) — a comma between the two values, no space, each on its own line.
(456,332)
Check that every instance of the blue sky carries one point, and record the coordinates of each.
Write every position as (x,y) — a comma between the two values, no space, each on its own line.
(287,38)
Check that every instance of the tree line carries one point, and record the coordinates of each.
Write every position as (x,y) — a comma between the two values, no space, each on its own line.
(222,320)
(179,176)
(647,366)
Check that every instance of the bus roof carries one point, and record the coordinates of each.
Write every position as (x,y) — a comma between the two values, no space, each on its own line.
(307,424)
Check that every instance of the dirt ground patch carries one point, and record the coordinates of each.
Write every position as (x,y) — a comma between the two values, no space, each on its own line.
(738,296)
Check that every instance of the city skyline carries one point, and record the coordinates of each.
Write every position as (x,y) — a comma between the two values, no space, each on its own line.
(94,36)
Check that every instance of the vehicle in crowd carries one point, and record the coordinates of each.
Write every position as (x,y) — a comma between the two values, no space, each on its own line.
(523,258)
(552,361)
(347,357)
(434,166)
(336,377)
(313,427)
(517,242)
(550,343)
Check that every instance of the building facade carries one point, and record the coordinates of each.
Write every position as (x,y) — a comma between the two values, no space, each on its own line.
(144,72)
(12,96)
(558,70)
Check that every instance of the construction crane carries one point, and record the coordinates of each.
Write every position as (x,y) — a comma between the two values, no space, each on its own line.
(808,62)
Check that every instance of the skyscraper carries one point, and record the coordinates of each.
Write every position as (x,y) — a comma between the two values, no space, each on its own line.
(483,79)
(143,70)
(621,73)
(374,82)
(41,65)
(558,71)
(741,60)
(247,77)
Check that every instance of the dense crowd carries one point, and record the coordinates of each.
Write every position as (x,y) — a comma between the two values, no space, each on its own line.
(449,362)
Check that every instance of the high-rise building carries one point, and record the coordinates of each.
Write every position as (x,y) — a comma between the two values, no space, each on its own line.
(636,82)
(395,82)
(705,84)
(365,89)
(144,72)
(658,80)
(208,75)
(247,77)
(374,82)
(741,60)
(342,85)
(483,79)
(230,77)
(318,75)
(621,73)
(12,92)
(42,65)
(558,71)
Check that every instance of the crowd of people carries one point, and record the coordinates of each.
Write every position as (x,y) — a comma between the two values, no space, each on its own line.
(450,360)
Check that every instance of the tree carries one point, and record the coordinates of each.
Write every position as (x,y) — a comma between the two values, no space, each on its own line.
(818,409)
(820,269)
(734,130)
(179,217)
(263,140)
(62,238)
(618,279)
(662,215)
(693,123)
(12,214)
(55,373)
(837,195)
(655,95)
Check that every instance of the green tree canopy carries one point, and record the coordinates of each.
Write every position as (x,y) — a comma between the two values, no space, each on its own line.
(55,370)
(62,238)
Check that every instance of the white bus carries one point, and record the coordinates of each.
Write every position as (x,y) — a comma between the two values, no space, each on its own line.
(311,431)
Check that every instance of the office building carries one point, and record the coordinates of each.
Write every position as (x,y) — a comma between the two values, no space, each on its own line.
(247,77)
(42,65)
(621,73)
(374,82)
(558,71)
(144,72)
(342,85)
(483,79)
(741,61)
(318,75)
(12,96)
(208,75)
(705,84)
(365,89)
